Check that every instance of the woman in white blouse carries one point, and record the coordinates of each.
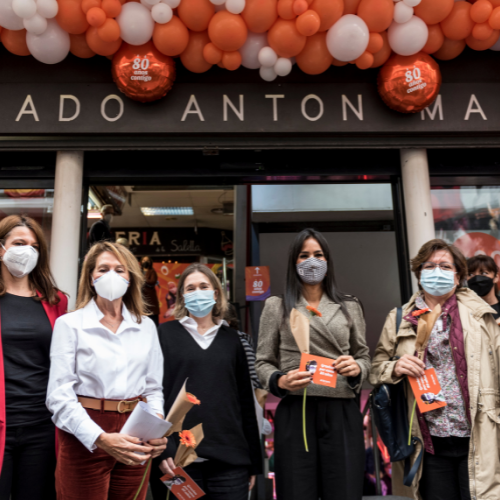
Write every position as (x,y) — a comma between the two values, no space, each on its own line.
(105,357)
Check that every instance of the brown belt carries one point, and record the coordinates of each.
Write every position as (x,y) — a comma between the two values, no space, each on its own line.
(123,406)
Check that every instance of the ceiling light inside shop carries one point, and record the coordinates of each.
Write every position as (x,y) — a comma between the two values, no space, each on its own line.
(150,211)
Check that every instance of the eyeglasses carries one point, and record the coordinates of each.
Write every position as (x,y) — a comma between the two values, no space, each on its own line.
(444,266)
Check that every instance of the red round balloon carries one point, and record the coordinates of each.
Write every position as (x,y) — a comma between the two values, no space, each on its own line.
(409,84)
(142,72)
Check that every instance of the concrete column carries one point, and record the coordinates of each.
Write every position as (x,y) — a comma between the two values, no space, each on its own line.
(417,196)
(65,242)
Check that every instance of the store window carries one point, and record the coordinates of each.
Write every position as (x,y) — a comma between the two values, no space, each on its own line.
(469,217)
(35,203)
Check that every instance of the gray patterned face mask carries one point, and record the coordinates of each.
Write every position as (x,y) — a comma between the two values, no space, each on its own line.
(312,271)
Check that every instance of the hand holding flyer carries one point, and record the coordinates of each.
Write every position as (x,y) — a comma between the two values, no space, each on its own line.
(427,391)
(322,369)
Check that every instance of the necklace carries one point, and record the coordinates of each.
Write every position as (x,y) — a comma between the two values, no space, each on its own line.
(112,325)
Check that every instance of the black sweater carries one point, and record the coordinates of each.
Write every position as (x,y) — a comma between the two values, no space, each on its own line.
(219,378)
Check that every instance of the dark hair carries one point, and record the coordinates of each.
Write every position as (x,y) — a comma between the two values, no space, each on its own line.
(293,283)
(426,251)
(482,263)
(232,317)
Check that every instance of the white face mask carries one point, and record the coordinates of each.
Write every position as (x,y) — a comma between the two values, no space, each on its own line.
(111,286)
(20,260)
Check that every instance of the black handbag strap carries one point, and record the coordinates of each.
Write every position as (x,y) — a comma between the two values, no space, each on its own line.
(409,474)
(399,318)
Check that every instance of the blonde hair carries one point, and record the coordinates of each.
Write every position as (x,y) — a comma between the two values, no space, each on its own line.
(220,308)
(132,299)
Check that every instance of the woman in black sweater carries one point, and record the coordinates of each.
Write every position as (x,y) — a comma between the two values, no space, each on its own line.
(201,347)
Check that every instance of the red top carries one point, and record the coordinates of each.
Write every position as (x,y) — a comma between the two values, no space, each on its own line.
(53,312)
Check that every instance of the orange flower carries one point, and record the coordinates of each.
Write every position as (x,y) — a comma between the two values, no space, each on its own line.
(187,439)
(419,312)
(314,311)
(192,399)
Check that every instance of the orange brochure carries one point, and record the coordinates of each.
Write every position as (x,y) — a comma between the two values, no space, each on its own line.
(182,486)
(427,391)
(322,369)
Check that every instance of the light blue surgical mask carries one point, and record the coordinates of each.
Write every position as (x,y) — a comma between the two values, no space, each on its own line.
(200,303)
(437,282)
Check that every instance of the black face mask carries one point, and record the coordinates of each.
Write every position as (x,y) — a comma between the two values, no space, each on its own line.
(481,285)
(146,264)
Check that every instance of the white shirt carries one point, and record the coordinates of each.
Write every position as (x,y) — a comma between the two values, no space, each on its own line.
(204,341)
(89,360)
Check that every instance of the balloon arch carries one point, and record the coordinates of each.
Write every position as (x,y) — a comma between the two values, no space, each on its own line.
(270,36)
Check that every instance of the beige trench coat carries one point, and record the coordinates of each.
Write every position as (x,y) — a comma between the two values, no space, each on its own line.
(482,349)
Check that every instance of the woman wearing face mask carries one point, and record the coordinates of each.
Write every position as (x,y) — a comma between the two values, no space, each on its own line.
(105,358)
(149,290)
(461,459)
(29,306)
(482,278)
(201,348)
(334,425)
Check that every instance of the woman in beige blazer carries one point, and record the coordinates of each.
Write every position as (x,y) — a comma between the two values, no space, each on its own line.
(333,467)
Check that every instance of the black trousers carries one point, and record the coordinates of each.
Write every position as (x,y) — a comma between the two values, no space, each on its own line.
(445,475)
(333,469)
(29,463)
(220,481)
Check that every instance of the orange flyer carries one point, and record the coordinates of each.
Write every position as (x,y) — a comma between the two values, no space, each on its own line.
(182,485)
(427,391)
(322,369)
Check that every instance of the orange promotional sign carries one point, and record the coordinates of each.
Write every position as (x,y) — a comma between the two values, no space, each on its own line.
(182,485)
(257,283)
(427,391)
(322,369)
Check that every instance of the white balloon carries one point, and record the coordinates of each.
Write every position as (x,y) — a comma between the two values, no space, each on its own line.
(412,3)
(267,74)
(47,8)
(24,8)
(348,38)
(218,2)
(283,66)
(136,23)
(36,25)
(496,47)
(235,6)
(250,50)
(408,38)
(8,18)
(402,13)
(147,5)
(173,4)
(267,57)
(52,46)
(161,13)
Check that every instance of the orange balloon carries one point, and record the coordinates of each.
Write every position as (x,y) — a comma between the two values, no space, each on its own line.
(315,58)
(495,3)
(494,20)
(96,17)
(220,65)
(434,40)
(480,11)
(375,43)
(15,41)
(79,47)
(285,40)
(98,45)
(482,31)
(338,63)
(227,31)
(351,6)
(285,9)
(88,4)
(299,7)
(433,11)
(384,53)
(450,49)
(260,15)
(111,7)
(365,60)
(377,14)
(458,25)
(109,31)
(171,38)
(330,11)
(475,44)
(231,60)
(308,23)
(192,58)
(71,17)
(196,14)
(212,54)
